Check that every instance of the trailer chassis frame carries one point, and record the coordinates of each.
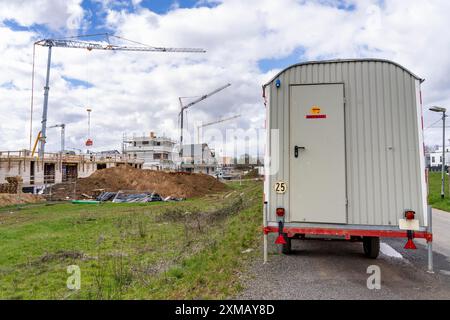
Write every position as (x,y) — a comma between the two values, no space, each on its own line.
(349,232)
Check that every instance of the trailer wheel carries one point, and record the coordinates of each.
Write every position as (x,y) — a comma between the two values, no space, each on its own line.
(286,248)
(371,247)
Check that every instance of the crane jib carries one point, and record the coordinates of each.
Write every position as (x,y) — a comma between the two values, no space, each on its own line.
(106,46)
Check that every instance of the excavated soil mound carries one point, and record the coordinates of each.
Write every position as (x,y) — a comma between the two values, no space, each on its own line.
(7,199)
(176,184)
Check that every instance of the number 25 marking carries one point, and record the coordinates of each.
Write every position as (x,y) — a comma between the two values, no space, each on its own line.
(280,187)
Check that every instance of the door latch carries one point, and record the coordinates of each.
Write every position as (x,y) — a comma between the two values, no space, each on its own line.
(296,148)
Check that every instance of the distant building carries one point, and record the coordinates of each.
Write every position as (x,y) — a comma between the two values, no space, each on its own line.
(225,161)
(433,160)
(158,153)
(107,153)
(427,160)
(198,158)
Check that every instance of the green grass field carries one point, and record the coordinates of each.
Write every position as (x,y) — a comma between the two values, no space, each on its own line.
(179,250)
(434,196)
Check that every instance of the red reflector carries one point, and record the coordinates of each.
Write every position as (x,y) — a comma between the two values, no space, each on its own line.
(410,245)
(316,116)
(280,239)
(409,215)
(280,212)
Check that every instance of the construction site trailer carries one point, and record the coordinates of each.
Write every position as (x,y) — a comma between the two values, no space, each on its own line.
(345,141)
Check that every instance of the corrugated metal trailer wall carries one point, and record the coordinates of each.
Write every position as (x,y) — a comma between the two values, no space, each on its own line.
(385,173)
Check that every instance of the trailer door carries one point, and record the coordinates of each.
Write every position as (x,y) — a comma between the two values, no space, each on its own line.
(317,154)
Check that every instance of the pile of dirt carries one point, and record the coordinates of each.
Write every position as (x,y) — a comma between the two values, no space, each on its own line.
(13,199)
(13,185)
(175,184)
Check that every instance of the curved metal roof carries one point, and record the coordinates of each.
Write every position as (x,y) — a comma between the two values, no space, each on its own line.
(341,61)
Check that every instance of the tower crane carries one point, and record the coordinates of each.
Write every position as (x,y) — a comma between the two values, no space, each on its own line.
(213,122)
(63,134)
(185,107)
(89,45)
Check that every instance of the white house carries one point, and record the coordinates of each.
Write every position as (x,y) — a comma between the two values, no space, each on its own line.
(158,153)
(434,159)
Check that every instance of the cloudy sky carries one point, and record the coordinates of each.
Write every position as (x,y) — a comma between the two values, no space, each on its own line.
(247,41)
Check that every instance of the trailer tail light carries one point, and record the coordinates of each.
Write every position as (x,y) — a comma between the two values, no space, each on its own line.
(280,212)
(409,215)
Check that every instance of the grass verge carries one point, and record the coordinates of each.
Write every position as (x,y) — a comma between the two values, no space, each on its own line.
(434,191)
(181,250)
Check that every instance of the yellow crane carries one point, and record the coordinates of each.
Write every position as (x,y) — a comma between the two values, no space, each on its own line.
(36,143)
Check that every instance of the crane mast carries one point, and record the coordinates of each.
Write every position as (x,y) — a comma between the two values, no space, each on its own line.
(89,45)
(184,107)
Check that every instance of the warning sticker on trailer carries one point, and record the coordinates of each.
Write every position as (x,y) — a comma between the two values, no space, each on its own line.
(315,113)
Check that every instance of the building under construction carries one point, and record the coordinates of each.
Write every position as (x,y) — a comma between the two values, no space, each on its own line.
(49,168)
(157,153)
(198,158)
(56,167)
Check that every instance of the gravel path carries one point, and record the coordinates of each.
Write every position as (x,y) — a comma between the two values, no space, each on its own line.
(338,270)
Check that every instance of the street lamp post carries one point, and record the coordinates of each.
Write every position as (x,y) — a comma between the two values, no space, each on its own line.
(443,111)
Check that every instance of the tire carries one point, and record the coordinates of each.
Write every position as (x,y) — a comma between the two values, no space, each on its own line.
(371,246)
(286,248)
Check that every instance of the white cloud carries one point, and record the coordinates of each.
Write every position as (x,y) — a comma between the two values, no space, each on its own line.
(56,14)
(137,92)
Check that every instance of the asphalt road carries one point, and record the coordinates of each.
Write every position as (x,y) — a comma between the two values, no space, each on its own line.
(320,269)
(441,232)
